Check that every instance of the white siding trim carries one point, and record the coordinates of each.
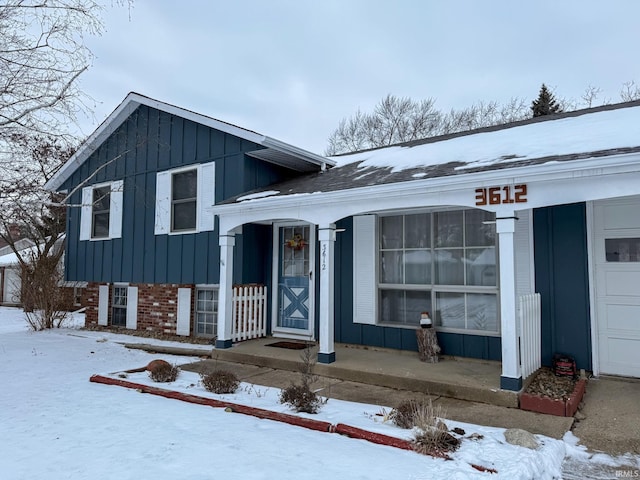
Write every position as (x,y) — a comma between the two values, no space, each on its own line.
(183,322)
(85,213)
(524,261)
(115,209)
(206,196)
(132,308)
(364,270)
(163,203)
(103,304)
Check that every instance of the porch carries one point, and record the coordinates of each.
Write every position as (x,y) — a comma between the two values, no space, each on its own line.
(454,377)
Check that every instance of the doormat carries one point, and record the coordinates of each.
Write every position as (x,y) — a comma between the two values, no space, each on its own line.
(289,345)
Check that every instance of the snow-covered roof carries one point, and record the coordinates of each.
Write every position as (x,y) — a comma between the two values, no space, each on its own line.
(275,151)
(590,133)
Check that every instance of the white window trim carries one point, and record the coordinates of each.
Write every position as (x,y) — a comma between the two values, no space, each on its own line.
(204,286)
(115,211)
(205,198)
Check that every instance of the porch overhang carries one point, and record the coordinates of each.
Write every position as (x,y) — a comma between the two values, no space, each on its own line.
(540,185)
(553,183)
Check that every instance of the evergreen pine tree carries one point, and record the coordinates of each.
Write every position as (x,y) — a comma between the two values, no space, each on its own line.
(545,104)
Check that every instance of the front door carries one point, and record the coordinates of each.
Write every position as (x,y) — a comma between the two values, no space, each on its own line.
(294,255)
(617,263)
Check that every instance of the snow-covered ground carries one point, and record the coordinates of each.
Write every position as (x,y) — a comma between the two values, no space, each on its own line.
(55,424)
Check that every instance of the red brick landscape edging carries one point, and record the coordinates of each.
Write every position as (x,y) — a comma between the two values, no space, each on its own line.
(318,425)
(309,423)
(554,406)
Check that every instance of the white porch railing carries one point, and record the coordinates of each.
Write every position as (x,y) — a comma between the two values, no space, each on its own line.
(249,312)
(530,341)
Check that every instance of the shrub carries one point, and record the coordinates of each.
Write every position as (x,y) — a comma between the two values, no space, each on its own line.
(301,398)
(163,372)
(404,414)
(431,436)
(434,441)
(220,381)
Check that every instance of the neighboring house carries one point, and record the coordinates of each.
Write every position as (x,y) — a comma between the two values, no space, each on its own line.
(10,281)
(11,293)
(470,227)
(10,274)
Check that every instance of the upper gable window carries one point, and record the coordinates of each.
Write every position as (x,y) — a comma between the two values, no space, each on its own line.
(184,195)
(101,212)
(183,198)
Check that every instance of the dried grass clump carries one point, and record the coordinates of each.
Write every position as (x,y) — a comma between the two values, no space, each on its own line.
(431,436)
(220,381)
(164,372)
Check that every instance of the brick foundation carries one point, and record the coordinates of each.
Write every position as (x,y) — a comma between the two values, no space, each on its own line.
(157,306)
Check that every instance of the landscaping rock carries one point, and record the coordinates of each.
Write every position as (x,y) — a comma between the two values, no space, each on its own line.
(522,438)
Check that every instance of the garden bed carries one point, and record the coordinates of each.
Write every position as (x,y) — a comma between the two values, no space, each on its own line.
(553,395)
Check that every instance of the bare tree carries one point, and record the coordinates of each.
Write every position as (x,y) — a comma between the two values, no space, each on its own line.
(42,54)
(590,95)
(400,119)
(393,120)
(28,212)
(630,91)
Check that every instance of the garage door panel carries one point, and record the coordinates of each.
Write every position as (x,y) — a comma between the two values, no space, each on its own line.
(622,284)
(621,216)
(623,317)
(621,356)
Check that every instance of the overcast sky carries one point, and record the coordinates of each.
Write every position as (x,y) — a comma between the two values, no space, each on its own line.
(292,69)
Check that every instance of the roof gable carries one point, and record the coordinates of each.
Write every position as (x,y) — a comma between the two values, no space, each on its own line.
(275,151)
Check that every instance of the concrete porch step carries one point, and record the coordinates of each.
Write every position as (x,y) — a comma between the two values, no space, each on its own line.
(463,379)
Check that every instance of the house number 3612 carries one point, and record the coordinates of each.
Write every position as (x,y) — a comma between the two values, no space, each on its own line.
(498,195)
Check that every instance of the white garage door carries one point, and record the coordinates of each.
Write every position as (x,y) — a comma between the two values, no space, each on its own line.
(617,262)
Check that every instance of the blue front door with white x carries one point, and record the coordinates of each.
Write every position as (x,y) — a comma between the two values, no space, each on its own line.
(294,280)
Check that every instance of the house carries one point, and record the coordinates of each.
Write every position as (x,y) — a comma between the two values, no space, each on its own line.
(11,275)
(522,240)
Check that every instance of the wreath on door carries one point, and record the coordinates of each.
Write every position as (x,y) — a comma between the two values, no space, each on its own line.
(296,243)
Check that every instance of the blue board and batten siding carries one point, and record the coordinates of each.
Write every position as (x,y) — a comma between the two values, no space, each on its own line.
(562,279)
(147,142)
(346,331)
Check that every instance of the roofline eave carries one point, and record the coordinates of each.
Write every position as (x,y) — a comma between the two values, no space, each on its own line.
(588,168)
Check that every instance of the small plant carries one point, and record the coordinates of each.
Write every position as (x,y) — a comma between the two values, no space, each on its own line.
(251,389)
(404,414)
(431,436)
(300,396)
(164,372)
(220,381)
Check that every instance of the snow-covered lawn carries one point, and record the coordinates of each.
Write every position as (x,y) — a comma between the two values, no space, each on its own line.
(55,424)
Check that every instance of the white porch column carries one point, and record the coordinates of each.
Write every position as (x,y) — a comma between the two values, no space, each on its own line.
(225,305)
(327,238)
(511,378)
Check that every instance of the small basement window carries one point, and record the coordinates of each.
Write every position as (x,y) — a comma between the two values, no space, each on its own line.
(206,312)
(119,306)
